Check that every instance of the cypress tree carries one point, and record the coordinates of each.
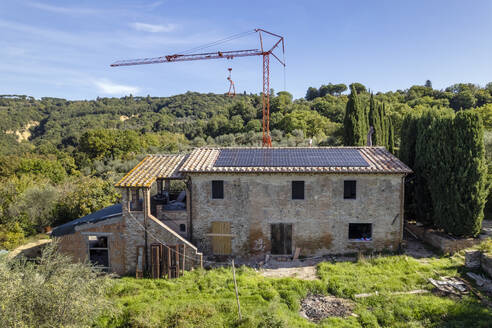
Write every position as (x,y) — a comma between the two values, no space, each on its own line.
(459,209)
(383,139)
(391,137)
(354,127)
(408,138)
(425,148)
(446,152)
(374,121)
(440,173)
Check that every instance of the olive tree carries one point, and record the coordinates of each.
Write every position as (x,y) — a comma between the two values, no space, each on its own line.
(51,292)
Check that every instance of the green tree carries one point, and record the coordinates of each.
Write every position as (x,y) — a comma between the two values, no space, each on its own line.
(82,196)
(450,187)
(463,100)
(485,113)
(359,87)
(311,93)
(391,137)
(337,89)
(254,125)
(53,292)
(375,122)
(309,122)
(459,209)
(331,107)
(355,129)
(424,162)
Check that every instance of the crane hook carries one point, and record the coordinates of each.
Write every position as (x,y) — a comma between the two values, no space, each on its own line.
(231,85)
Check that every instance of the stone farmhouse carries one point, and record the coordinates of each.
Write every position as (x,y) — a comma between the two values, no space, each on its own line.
(246,203)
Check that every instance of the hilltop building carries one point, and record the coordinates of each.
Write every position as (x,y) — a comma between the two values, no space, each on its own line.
(248,202)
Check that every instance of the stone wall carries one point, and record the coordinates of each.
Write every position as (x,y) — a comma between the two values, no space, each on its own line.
(445,244)
(174,219)
(76,245)
(125,233)
(486,263)
(157,232)
(252,202)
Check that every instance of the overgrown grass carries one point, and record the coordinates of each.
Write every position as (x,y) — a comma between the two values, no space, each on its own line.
(206,298)
(384,274)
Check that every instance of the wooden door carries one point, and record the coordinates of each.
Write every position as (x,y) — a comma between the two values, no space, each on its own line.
(221,238)
(281,238)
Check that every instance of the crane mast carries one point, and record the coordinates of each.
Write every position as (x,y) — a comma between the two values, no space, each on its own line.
(265,53)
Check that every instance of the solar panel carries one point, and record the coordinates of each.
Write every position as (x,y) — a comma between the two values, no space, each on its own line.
(290,157)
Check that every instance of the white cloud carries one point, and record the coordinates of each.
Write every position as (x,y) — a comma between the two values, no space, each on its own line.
(62,10)
(153,28)
(107,87)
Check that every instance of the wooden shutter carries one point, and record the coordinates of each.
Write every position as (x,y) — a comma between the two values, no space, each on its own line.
(221,245)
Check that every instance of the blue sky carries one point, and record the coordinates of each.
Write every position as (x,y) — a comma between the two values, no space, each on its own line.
(64,48)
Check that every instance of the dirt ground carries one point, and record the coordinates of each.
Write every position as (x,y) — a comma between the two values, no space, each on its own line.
(319,307)
(416,248)
(32,249)
(303,272)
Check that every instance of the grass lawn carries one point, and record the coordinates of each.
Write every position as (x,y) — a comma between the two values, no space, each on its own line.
(206,298)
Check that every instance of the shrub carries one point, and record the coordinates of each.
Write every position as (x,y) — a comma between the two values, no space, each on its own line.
(54,292)
(11,237)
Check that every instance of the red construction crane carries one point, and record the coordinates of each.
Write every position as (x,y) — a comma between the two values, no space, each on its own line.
(267,142)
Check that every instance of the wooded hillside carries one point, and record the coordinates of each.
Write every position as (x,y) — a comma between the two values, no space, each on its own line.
(60,158)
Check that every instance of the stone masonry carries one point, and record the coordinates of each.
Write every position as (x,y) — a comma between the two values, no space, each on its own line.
(320,222)
(76,244)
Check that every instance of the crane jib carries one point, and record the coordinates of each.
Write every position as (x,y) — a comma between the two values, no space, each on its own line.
(228,55)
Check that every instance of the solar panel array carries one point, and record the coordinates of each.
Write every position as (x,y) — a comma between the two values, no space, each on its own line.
(290,157)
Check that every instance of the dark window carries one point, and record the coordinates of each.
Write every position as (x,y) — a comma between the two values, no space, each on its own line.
(360,231)
(349,189)
(182,227)
(297,189)
(218,189)
(98,251)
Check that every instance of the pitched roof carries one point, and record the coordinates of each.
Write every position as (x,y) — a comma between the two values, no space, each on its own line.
(105,213)
(264,160)
(375,160)
(151,168)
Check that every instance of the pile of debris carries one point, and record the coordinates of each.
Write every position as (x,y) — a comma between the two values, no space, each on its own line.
(319,307)
(483,283)
(450,286)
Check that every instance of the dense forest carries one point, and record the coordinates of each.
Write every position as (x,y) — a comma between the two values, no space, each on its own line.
(59,159)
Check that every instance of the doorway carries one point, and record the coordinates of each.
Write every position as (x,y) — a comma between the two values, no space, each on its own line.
(281,238)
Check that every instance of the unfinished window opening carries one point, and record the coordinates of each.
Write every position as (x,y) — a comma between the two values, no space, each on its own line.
(360,231)
(99,251)
(182,227)
(136,203)
(349,189)
(281,239)
(297,189)
(217,189)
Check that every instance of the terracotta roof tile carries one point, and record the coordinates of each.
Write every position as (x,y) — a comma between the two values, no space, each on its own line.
(202,160)
(151,168)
